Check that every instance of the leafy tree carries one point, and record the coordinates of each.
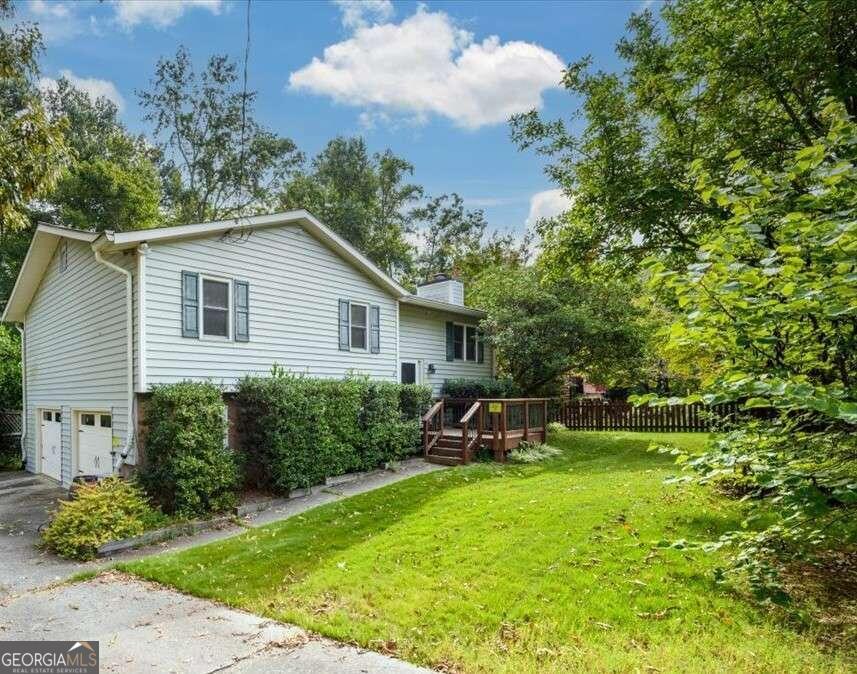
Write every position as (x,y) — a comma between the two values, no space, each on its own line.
(32,149)
(543,330)
(363,198)
(216,160)
(773,298)
(449,232)
(10,368)
(111,182)
(709,76)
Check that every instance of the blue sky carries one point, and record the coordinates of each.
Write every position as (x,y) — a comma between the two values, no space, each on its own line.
(432,81)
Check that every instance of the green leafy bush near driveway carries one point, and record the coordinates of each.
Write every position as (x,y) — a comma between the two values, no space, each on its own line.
(295,431)
(108,511)
(187,469)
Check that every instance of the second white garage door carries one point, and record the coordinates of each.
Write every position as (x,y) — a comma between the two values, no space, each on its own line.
(94,442)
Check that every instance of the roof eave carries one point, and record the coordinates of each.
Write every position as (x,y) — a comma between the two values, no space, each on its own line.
(436,305)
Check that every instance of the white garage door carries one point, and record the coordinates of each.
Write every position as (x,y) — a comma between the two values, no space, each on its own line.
(51,444)
(94,442)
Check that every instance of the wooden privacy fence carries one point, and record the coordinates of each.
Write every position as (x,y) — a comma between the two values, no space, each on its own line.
(605,415)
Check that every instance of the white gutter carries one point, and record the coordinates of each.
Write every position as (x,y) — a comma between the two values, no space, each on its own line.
(142,249)
(24,412)
(129,352)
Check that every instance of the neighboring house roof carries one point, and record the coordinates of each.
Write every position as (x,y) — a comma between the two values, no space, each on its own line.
(47,237)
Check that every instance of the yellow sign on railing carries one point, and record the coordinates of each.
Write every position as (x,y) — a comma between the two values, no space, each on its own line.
(495,408)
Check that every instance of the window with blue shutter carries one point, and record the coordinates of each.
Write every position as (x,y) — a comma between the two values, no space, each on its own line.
(375,329)
(241,290)
(190,304)
(344,325)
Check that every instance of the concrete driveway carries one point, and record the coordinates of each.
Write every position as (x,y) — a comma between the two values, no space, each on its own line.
(143,627)
(25,501)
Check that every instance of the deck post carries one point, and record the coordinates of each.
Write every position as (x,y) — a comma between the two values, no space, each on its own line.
(504,441)
(526,420)
(479,426)
(545,420)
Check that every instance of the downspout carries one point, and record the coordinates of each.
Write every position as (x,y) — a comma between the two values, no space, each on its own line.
(24,412)
(129,351)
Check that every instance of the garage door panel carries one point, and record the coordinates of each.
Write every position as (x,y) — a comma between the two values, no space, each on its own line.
(51,443)
(94,443)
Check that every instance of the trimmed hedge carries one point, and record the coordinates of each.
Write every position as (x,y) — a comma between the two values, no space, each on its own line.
(480,388)
(296,431)
(186,469)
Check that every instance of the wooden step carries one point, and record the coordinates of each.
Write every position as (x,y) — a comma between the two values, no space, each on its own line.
(445,451)
(445,460)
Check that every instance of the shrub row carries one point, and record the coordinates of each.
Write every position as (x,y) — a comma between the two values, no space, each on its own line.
(295,431)
(481,388)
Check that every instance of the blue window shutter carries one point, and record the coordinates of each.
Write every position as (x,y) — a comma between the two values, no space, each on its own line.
(241,290)
(375,329)
(450,341)
(480,346)
(344,325)
(190,304)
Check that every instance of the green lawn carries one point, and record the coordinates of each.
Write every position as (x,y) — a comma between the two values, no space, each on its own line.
(490,568)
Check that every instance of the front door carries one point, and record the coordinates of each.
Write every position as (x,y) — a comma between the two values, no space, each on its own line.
(51,443)
(94,443)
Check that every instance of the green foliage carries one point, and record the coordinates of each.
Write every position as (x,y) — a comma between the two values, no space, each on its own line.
(32,148)
(186,468)
(10,368)
(298,430)
(414,400)
(216,160)
(502,387)
(544,328)
(111,182)
(773,298)
(363,198)
(533,452)
(701,77)
(110,510)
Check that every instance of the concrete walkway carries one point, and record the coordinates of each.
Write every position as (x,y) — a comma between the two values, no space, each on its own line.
(143,627)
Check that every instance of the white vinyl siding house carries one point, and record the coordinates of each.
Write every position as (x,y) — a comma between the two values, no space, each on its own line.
(423,340)
(75,351)
(295,284)
(214,302)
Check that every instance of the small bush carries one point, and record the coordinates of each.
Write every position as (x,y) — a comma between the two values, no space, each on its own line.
(187,470)
(480,388)
(296,431)
(556,427)
(531,452)
(110,510)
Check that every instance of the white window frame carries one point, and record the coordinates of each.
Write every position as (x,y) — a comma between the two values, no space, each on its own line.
(229,304)
(365,326)
(417,369)
(475,358)
(464,358)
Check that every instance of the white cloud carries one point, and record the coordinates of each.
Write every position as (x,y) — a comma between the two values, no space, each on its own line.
(426,66)
(159,13)
(547,204)
(93,86)
(59,10)
(356,13)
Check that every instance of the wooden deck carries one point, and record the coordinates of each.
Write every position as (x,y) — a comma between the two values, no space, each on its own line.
(454,429)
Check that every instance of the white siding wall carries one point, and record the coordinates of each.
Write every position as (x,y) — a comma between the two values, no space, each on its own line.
(295,285)
(423,339)
(75,331)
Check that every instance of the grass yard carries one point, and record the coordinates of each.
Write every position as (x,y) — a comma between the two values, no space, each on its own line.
(488,568)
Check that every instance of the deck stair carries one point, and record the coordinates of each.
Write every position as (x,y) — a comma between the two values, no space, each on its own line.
(446,451)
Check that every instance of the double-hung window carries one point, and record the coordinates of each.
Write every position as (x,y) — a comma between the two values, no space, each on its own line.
(472,343)
(458,342)
(215,308)
(359,315)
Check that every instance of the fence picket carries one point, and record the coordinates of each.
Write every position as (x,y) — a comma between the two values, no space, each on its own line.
(596,415)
